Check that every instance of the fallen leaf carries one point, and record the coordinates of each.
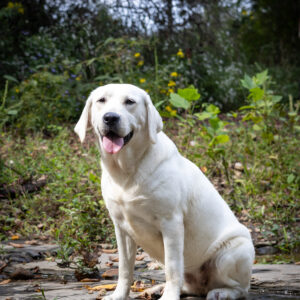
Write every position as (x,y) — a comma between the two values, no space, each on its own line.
(90,280)
(110,273)
(108,287)
(6,281)
(154,266)
(109,251)
(40,226)
(114,258)
(17,245)
(15,237)
(297,263)
(101,294)
(109,263)
(140,257)
(154,292)
(203,169)
(139,286)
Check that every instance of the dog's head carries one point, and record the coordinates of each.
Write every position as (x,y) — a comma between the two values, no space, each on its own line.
(119,113)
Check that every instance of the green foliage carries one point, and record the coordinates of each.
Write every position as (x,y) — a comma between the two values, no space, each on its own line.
(179,102)
(70,207)
(263,105)
(7,113)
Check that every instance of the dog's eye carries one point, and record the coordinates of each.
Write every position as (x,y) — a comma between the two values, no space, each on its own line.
(102,100)
(129,102)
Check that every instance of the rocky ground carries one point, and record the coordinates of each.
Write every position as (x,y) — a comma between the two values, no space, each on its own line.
(31,272)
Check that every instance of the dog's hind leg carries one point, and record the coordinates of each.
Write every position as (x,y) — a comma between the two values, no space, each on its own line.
(231,272)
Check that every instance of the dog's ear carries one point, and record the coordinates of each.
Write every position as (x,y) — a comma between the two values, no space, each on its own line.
(154,120)
(82,124)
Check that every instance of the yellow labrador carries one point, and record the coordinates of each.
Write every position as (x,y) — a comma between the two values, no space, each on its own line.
(161,201)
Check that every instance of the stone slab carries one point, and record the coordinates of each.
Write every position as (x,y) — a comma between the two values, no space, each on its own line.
(277,282)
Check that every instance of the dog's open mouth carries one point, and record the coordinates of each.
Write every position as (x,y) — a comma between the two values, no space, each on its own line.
(112,143)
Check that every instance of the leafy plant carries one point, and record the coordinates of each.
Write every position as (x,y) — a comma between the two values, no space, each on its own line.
(6,113)
(262,104)
(215,133)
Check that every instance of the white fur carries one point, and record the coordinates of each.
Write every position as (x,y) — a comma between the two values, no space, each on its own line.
(163,202)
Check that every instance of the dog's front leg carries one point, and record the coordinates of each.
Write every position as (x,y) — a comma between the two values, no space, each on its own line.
(173,239)
(127,254)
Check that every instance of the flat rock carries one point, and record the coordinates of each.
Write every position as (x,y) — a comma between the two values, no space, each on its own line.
(276,282)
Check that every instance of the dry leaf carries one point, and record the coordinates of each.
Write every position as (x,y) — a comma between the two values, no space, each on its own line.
(140,257)
(101,294)
(114,258)
(110,273)
(90,280)
(203,169)
(15,237)
(154,266)
(297,263)
(109,251)
(108,287)
(6,281)
(139,286)
(109,263)
(17,245)
(154,292)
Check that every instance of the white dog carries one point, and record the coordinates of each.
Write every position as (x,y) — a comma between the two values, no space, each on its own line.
(161,201)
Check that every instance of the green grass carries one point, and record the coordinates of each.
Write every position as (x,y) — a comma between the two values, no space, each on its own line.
(70,207)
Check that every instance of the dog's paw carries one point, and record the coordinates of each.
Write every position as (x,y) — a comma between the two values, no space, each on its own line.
(115,297)
(225,294)
(169,297)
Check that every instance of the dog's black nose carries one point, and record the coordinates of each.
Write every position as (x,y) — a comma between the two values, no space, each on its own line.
(111,118)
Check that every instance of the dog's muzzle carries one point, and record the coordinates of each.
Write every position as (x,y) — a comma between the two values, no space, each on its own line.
(111,141)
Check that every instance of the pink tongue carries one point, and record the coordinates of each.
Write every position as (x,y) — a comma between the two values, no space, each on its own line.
(113,145)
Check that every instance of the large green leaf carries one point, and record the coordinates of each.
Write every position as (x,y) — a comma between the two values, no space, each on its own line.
(203,116)
(178,101)
(256,94)
(212,109)
(190,93)
(247,82)
(261,77)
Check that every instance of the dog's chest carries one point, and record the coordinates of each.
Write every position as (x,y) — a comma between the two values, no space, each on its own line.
(136,214)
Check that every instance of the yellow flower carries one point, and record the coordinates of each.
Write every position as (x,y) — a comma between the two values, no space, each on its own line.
(244,12)
(142,80)
(168,108)
(180,53)
(140,63)
(78,78)
(170,91)
(17,91)
(171,83)
(18,5)
(203,169)
(147,91)
(163,91)
(173,113)
(174,74)
(136,55)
